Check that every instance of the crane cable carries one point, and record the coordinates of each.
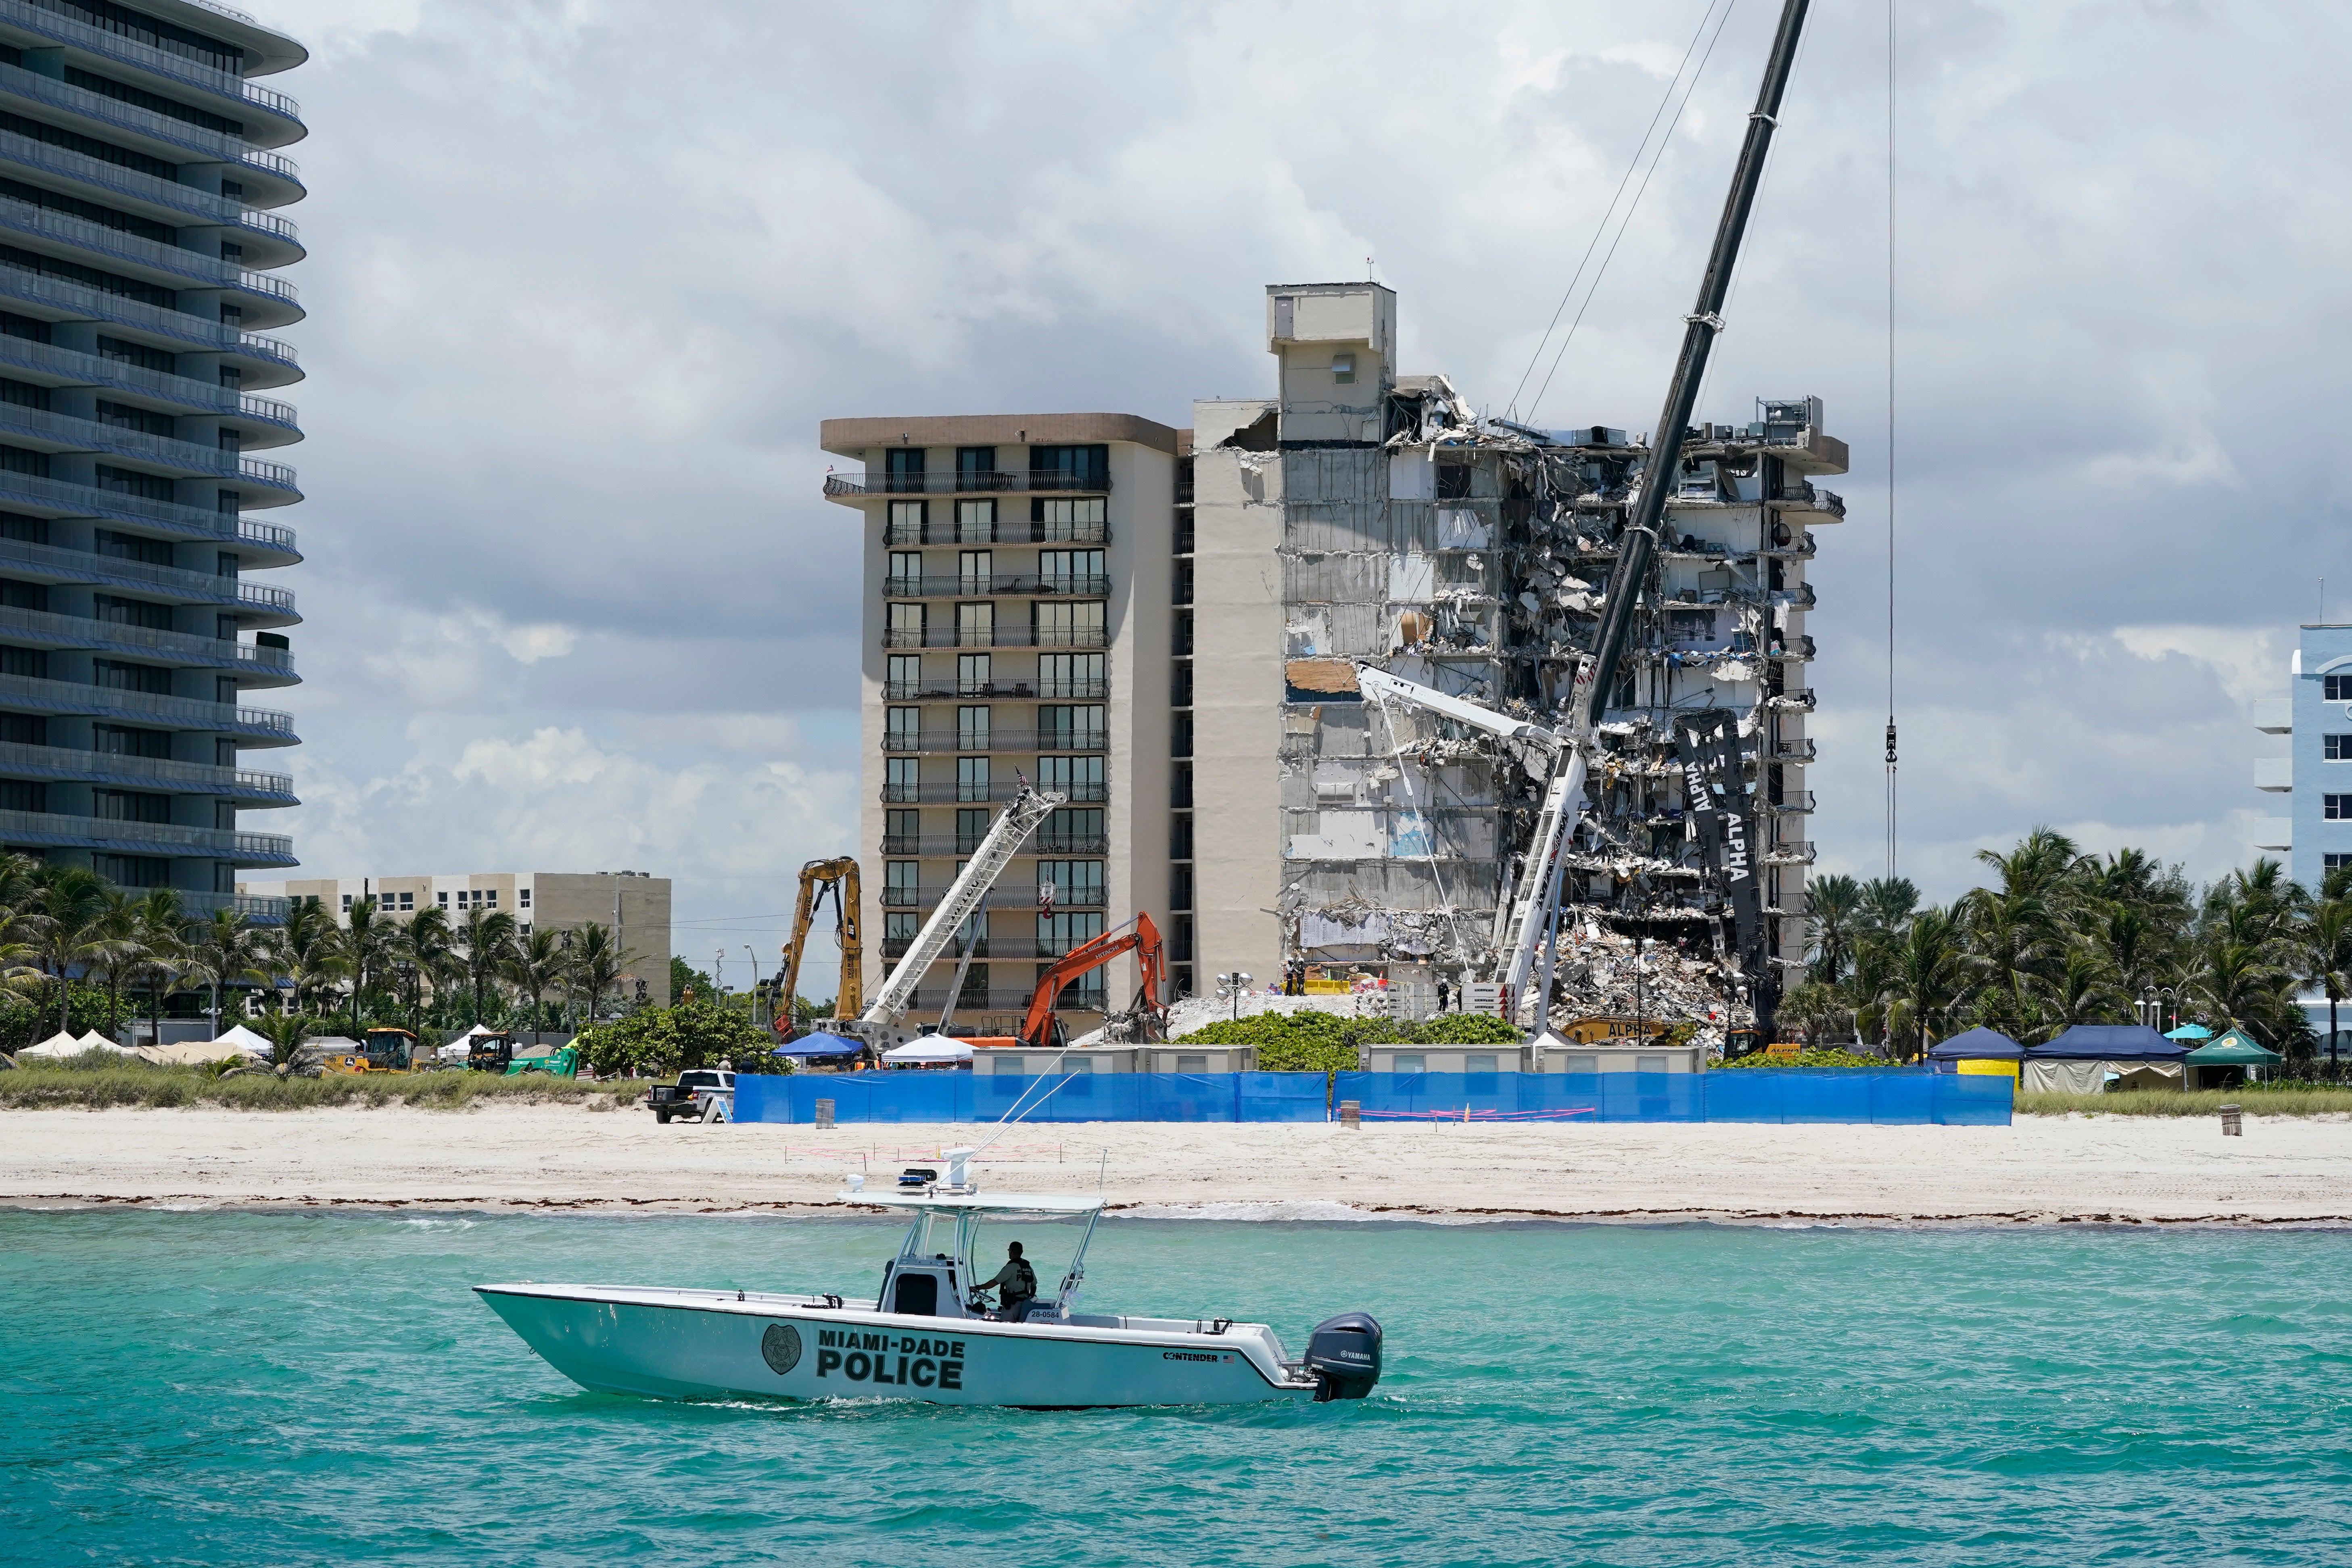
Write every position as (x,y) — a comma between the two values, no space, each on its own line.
(1890,441)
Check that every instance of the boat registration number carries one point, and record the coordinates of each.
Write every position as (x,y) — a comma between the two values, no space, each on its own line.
(914,1361)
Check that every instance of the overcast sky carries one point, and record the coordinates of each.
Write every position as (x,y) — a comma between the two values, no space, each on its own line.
(585,276)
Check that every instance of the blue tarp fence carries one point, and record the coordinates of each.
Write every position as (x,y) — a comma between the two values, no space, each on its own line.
(1904,1096)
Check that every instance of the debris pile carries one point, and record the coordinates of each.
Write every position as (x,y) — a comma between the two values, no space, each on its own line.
(1596,976)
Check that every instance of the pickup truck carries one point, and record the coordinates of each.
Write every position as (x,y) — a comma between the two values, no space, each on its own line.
(703,1095)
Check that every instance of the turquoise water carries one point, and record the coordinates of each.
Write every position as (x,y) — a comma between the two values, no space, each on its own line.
(211,1388)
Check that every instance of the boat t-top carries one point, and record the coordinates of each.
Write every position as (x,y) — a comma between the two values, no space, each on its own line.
(929,1334)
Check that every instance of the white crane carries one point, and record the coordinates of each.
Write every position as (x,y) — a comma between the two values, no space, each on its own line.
(878,1025)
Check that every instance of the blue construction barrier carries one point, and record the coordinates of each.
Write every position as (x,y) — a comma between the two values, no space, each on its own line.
(1899,1095)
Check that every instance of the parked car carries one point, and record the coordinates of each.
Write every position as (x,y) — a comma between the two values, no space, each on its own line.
(702,1094)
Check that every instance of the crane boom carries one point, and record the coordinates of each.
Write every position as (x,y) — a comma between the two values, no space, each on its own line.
(1531,901)
(964,897)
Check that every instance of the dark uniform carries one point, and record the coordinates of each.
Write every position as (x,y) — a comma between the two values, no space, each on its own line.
(1016,1285)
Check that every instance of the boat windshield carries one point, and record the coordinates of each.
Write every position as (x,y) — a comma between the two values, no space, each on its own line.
(1055,1245)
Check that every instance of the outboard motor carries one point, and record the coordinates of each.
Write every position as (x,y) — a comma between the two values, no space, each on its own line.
(1344,1353)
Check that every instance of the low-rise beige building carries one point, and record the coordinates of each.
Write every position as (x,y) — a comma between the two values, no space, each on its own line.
(635,904)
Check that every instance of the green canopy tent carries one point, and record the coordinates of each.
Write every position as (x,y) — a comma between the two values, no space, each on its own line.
(2228,1062)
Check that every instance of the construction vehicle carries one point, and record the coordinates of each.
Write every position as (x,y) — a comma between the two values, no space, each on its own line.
(1529,915)
(1042,1026)
(381,1050)
(877,1028)
(564,1063)
(819,879)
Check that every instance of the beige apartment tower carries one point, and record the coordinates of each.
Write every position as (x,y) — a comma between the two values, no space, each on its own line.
(1016,582)
(635,905)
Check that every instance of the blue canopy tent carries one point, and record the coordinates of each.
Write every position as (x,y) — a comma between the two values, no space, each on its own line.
(1977,1045)
(2091,1059)
(821,1048)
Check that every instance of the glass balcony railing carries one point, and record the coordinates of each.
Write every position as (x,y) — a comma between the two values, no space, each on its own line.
(18,761)
(44,630)
(999,483)
(167,62)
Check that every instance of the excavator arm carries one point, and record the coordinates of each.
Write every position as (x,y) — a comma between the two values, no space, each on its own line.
(1142,939)
(818,878)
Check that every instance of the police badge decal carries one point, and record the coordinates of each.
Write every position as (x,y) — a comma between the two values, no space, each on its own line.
(780,1347)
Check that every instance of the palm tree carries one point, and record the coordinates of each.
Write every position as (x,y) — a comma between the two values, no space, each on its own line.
(64,923)
(422,953)
(365,946)
(2242,985)
(159,930)
(1888,903)
(305,950)
(286,1033)
(225,948)
(2327,958)
(1930,977)
(2081,991)
(596,964)
(487,938)
(537,965)
(1835,905)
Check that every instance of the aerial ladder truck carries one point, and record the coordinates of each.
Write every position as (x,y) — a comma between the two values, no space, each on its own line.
(1529,911)
(878,1027)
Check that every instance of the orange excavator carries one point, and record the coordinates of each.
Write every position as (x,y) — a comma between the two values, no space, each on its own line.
(1042,1027)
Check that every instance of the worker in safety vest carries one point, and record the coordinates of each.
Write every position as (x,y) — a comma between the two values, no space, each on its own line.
(1015,1284)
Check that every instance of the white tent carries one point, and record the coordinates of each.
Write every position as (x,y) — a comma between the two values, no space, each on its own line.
(94,1041)
(61,1045)
(930,1048)
(243,1040)
(194,1053)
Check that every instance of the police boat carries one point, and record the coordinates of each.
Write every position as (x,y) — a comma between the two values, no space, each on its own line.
(929,1334)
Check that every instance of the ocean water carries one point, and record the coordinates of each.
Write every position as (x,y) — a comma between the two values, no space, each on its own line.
(226,1388)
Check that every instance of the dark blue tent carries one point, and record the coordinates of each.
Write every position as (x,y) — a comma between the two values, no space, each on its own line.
(2111,1043)
(1977,1045)
(820,1046)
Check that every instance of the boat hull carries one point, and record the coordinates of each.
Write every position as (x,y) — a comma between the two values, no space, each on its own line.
(679,1344)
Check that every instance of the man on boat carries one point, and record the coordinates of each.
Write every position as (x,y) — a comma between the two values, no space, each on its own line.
(1015,1284)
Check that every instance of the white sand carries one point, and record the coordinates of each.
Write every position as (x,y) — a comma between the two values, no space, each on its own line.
(2041,1169)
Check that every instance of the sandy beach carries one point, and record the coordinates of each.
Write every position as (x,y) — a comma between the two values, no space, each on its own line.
(2041,1170)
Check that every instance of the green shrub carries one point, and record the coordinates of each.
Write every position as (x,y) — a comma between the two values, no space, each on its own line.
(659,1041)
(1827,1057)
(99,1081)
(1321,1042)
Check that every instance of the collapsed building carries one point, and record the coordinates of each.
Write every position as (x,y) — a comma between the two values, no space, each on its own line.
(1364,516)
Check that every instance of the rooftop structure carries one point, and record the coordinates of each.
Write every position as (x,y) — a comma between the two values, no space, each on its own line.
(2316,772)
(141,192)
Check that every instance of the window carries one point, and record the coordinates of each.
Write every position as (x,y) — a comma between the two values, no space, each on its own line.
(906,625)
(1179,887)
(1179,784)
(1052,520)
(904,725)
(1408,1061)
(2336,687)
(28,529)
(140,355)
(1072,675)
(31,662)
(130,805)
(2336,748)
(130,416)
(408,900)
(971,728)
(900,777)
(133,870)
(1179,683)
(1069,467)
(971,778)
(23,794)
(130,482)
(1067,623)
(1079,778)
(900,927)
(1062,931)
(19,461)
(901,827)
(444,897)
(1180,733)
(975,467)
(975,523)
(2336,808)
(1072,830)
(900,880)
(975,674)
(975,572)
(1074,571)
(905,526)
(125,612)
(119,674)
(902,468)
(1075,882)
(122,741)
(971,826)
(1649,1063)
(1070,726)
(347,903)
(976,625)
(1453,482)
(2335,862)
(1180,835)
(1192,1064)
(25,395)
(492,893)
(905,675)
(906,576)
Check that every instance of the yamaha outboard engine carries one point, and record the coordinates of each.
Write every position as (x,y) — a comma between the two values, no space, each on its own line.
(1345,1354)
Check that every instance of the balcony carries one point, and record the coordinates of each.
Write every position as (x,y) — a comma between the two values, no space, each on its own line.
(1802,500)
(2274,715)
(1792,803)
(54,830)
(1004,530)
(77,303)
(2274,774)
(207,146)
(946,586)
(262,666)
(60,433)
(989,637)
(1000,690)
(66,764)
(1797,700)
(260,726)
(936,846)
(1795,852)
(924,898)
(1800,549)
(67,367)
(168,201)
(994,793)
(973,741)
(180,68)
(1003,481)
(182,267)
(30,492)
(1792,651)
(261,604)
(1800,750)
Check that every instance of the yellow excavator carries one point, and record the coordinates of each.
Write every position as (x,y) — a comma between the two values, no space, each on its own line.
(819,879)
